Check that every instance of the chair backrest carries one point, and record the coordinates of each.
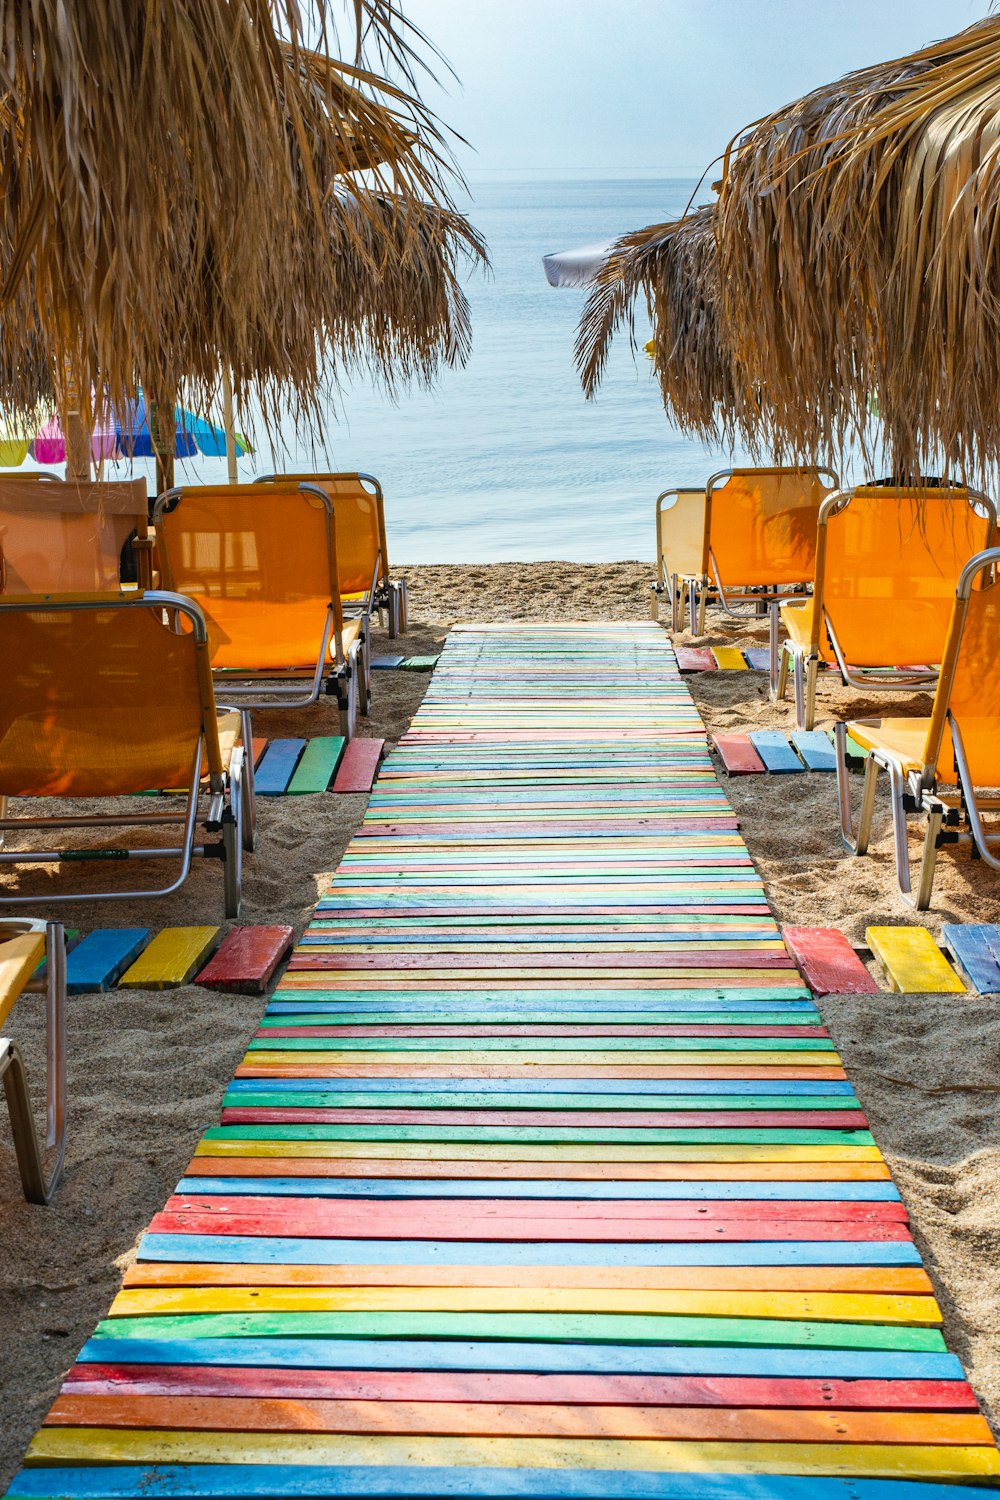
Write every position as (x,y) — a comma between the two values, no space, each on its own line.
(969,684)
(360,520)
(261,560)
(680,533)
(58,538)
(887,564)
(760,524)
(103,694)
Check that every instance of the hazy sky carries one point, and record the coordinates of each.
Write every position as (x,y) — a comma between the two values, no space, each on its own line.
(603,87)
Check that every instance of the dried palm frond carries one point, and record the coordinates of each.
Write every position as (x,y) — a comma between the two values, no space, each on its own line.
(859,242)
(169,202)
(674,267)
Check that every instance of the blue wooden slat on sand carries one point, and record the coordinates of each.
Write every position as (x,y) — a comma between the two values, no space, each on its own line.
(775,751)
(815,749)
(277,766)
(975,947)
(100,958)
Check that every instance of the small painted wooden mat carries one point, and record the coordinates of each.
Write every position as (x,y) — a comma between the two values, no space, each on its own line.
(541,1176)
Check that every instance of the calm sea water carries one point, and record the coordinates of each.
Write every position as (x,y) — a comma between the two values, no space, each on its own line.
(505,459)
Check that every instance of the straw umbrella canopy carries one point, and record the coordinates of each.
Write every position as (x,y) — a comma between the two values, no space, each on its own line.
(171,204)
(859,244)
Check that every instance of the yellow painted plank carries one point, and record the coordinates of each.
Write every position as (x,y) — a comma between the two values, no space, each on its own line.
(913,961)
(470,1151)
(823,1307)
(173,957)
(55,1445)
(19,958)
(729,658)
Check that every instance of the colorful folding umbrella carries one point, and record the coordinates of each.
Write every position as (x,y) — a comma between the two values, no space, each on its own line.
(117,435)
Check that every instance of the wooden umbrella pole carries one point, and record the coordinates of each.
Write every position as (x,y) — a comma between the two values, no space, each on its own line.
(228,422)
(75,431)
(163,442)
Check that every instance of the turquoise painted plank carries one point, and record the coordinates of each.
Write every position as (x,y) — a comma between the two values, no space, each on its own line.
(276,767)
(522,1187)
(815,749)
(775,751)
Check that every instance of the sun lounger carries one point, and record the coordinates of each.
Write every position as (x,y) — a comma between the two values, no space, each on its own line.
(887,560)
(680,541)
(261,561)
(63,538)
(110,694)
(936,764)
(362,549)
(759,538)
(24,944)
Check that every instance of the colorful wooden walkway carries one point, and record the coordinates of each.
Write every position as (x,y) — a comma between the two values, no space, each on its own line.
(541,1177)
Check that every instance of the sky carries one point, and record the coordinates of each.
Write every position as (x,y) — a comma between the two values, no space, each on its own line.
(648,87)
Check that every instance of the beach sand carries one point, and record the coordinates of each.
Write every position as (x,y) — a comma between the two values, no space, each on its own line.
(147,1069)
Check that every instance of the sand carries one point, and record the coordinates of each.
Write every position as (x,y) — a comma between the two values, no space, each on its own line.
(147,1069)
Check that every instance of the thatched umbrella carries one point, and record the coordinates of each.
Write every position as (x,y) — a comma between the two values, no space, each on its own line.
(859,241)
(170,204)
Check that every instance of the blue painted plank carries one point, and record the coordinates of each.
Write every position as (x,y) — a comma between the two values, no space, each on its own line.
(775,751)
(521,1187)
(99,960)
(427,1482)
(387,663)
(758,658)
(815,749)
(276,767)
(975,947)
(551,1358)
(275,1250)
(486,1000)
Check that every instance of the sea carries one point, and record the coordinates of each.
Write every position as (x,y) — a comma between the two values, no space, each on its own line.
(504,459)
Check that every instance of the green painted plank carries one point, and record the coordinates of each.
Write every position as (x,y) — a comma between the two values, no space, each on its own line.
(318,763)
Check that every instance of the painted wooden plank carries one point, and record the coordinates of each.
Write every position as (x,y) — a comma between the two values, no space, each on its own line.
(318,762)
(276,767)
(775,751)
(758,658)
(827,962)
(738,754)
(583,1121)
(695,659)
(359,766)
(540,1327)
(247,959)
(975,947)
(566,1390)
(913,961)
(276,1481)
(815,749)
(419,663)
(260,744)
(98,960)
(173,957)
(387,663)
(729,658)
(242,1414)
(56,1445)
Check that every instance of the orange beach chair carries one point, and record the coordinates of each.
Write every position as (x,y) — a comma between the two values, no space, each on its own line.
(759,537)
(110,694)
(680,541)
(362,548)
(60,537)
(937,765)
(261,561)
(887,560)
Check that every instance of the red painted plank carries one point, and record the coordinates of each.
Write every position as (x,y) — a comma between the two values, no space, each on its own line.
(827,962)
(260,744)
(738,754)
(738,958)
(246,961)
(420,1385)
(295,1114)
(333,1219)
(695,659)
(358,765)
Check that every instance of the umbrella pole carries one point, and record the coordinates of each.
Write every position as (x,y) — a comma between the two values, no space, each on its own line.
(76,436)
(228,423)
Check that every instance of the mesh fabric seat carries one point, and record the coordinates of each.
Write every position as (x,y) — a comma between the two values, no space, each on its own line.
(939,765)
(680,539)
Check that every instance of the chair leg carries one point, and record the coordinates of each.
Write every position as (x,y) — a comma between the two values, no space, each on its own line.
(232,837)
(37,1187)
(901,851)
(347,697)
(858,842)
(805,671)
(702,605)
(365,661)
(249,796)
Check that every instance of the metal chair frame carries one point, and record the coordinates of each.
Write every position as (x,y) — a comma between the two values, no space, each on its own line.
(38,1183)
